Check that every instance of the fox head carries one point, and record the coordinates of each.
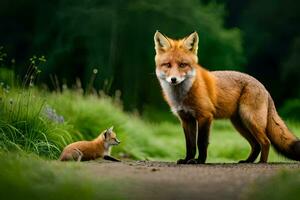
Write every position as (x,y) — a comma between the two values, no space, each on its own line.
(110,137)
(175,59)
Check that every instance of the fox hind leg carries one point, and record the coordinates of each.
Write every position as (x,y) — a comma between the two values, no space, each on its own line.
(255,147)
(263,140)
(256,123)
(79,155)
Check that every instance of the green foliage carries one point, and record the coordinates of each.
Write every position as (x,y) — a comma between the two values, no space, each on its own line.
(157,115)
(7,77)
(28,177)
(27,123)
(291,109)
(284,185)
(26,126)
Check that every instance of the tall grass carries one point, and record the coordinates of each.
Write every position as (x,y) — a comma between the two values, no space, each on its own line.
(26,122)
(26,126)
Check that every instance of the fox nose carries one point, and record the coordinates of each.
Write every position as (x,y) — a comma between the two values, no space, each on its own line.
(173,80)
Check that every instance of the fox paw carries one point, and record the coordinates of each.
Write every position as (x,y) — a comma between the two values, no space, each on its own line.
(192,161)
(182,161)
(245,161)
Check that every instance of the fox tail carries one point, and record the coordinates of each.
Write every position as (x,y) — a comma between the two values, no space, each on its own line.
(282,139)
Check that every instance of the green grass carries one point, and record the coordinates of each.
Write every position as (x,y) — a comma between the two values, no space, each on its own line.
(29,177)
(26,126)
(284,185)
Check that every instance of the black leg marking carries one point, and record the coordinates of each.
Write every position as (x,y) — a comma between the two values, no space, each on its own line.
(189,127)
(106,157)
(203,139)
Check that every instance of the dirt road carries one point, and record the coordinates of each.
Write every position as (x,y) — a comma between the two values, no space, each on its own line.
(163,180)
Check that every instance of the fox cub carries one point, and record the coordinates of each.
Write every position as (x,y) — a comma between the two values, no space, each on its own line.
(90,150)
(197,96)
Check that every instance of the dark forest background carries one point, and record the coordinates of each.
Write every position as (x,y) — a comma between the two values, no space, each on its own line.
(259,37)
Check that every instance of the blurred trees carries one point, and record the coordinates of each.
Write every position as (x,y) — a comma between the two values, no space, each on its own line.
(115,37)
(271,30)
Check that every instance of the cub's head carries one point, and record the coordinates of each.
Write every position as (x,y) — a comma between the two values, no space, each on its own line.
(175,59)
(110,137)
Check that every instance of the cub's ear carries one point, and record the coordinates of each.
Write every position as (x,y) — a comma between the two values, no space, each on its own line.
(110,129)
(108,132)
(191,42)
(161,42)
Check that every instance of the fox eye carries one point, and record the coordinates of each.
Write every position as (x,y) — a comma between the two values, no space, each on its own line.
(183,65)
(168,65)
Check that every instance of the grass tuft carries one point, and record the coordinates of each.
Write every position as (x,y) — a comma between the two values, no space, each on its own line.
(25,127)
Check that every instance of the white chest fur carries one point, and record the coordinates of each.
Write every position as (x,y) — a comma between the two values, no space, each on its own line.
(107,149)
(176,94)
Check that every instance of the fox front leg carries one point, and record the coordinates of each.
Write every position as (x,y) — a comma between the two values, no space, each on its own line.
(203,138)
(106,157)
(189,124)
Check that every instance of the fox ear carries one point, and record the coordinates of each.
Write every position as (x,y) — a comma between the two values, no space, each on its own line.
(191,42)
(161,42)
(108,131)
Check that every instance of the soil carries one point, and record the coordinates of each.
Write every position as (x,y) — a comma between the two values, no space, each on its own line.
(166,180)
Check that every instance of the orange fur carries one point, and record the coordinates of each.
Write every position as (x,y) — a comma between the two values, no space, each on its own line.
(90,150)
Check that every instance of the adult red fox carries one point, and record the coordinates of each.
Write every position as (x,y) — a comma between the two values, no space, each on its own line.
(197,96)
(90,150)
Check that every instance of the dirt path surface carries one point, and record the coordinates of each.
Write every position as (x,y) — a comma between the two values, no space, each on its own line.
(163,180)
